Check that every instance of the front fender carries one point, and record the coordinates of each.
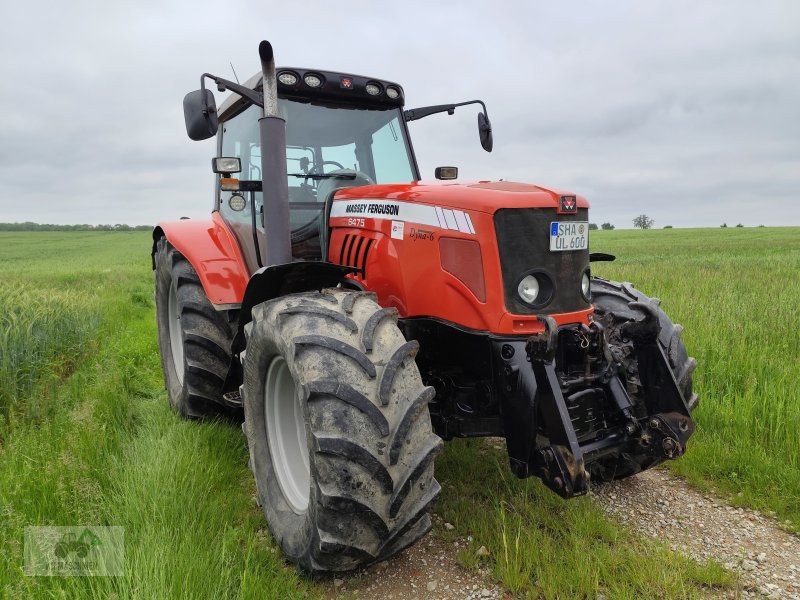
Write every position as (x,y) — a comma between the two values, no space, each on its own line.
(279,280)
(211,249)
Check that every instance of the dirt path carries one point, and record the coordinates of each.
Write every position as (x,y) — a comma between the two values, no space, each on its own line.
(657,504)
(765,558)
(427,570)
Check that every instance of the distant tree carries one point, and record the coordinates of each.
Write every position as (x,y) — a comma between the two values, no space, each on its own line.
(761,226)
(592,226)
(643,222)
(724,225)
(667,226)
(607,226)
(739,225)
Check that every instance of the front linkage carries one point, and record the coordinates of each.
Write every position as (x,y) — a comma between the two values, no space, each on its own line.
(557,387)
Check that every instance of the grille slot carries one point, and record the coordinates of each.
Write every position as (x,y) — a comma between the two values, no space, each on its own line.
(354,253)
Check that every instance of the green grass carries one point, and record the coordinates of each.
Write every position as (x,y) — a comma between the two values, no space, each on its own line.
(736,292)
(87,437)
(47,317)
(103,448)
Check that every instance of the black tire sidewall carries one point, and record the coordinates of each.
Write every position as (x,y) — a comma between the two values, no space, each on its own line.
(294,533)
(177,391)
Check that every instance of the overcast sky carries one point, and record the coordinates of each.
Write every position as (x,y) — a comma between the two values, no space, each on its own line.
(687,111)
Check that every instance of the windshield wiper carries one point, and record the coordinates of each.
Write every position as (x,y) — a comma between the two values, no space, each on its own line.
(324,175)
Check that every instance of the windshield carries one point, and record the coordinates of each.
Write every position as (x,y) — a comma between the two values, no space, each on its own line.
(321,139)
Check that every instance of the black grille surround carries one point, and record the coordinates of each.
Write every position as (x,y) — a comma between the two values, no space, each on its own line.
(523,240)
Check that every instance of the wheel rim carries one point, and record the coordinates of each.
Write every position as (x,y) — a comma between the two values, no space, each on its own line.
(286,432)
(175,333)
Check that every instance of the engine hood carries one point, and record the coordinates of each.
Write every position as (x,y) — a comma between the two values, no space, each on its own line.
(483,196)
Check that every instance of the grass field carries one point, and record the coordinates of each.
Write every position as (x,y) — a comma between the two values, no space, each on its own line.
(86,435)
(736,293)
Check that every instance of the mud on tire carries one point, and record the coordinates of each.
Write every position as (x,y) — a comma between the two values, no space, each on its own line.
(194,338)
(616,304)
(366,489)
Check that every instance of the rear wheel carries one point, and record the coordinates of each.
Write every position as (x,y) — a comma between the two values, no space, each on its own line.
(616,304)
(337,423)
(193,337)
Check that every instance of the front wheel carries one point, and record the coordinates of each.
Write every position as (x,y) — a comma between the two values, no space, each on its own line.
(338,429)
(615,305)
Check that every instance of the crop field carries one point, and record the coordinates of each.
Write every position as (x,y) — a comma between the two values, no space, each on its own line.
(87,436)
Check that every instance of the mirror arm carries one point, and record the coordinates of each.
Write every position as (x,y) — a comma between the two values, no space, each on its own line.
(224,84)
(425,111)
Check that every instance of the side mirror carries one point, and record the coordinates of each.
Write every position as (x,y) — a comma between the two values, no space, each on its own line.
(200,114)
(485,132)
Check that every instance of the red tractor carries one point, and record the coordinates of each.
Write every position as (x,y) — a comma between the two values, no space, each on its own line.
(358,317)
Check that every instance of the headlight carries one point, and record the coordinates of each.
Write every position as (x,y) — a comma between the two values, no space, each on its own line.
(585,285)
(392,92)
(528,289)
(536,289)
(373,89)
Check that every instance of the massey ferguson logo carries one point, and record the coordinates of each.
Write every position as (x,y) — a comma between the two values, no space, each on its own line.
(347,83)
(568,204)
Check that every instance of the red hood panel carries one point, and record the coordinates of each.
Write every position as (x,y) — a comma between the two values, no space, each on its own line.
(484,196)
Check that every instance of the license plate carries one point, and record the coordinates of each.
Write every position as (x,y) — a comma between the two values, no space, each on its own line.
(569,235)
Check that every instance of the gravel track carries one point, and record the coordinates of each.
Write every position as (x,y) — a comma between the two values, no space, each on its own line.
(655,503)
(427,570)
(764,557)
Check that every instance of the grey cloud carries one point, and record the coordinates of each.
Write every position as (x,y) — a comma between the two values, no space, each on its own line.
(681,109)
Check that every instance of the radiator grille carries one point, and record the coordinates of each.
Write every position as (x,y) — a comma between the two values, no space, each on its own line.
(523,239)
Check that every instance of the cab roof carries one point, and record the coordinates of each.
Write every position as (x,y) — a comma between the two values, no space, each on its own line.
(333,88)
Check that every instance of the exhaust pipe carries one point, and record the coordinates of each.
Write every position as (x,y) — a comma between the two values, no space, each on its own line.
(272,134)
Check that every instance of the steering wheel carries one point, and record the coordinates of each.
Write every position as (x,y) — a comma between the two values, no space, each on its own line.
(317,167)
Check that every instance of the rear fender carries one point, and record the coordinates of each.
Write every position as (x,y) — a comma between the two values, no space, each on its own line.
(211,249)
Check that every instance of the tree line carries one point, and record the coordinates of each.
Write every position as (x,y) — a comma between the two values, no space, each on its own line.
(30,226)
(606,226)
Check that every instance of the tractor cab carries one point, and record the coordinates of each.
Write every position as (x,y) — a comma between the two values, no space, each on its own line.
(341,131)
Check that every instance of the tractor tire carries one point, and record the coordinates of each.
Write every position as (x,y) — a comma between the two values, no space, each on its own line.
(193,337)
(338,429)
(615,305)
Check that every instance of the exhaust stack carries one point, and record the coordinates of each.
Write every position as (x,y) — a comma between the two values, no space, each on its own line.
(272,134)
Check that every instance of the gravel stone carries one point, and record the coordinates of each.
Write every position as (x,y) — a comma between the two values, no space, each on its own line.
(753,545)
(426,571)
